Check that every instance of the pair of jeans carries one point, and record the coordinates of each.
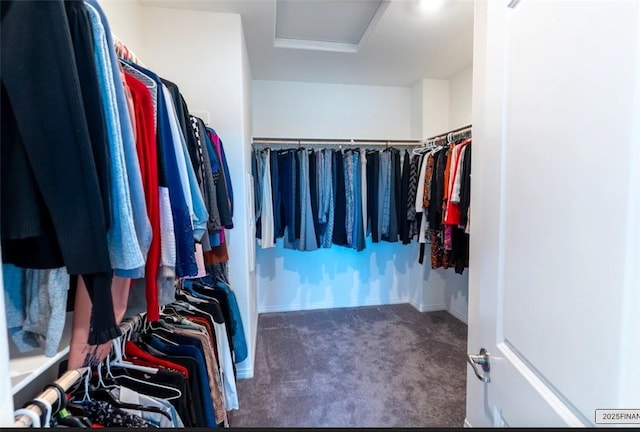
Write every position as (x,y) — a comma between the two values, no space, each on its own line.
(275,195)
(286,189)
(358,241)
(373,203)
(340,212)
(394,197)
(308,240)
(328,198)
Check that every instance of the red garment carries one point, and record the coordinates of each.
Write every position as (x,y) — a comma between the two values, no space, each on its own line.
(132,350)
(147,154)
(452,213)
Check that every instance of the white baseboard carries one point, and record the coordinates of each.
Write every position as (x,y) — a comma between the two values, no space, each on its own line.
(428,308)
(326,305)
(467,424)
(462,317)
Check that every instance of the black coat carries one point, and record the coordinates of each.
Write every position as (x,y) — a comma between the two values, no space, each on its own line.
(51,199)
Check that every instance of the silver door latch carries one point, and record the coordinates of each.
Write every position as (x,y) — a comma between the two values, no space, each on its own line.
(481,359)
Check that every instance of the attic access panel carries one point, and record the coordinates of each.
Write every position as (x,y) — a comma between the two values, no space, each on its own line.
(325,24)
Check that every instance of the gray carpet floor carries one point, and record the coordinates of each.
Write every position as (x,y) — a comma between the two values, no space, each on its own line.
(377,366)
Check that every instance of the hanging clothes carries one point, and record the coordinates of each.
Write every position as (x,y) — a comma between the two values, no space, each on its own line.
(313,193)
(373,195)
(131,226)
(267,221)
(403,213)
(353,194)
(147,155)
(327,214)
(169,177)
(308,240)
(363,192)
(358,242)
(444,179)
(128,195)
(45,223)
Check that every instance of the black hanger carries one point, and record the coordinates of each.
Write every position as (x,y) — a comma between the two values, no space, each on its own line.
(75,416)
(66,418)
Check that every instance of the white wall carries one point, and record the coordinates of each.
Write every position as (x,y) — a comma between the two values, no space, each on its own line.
(460,88)
(417,100)
(435,107)
(384,272)
(125,17)
(314,110)
(205,55)
(249,252)
(460,97)
(430,101)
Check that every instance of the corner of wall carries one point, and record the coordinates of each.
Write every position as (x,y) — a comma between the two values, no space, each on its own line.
(461,90)
(435,108)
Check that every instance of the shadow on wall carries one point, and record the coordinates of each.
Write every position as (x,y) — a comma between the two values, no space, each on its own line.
(447,287)
(380,274)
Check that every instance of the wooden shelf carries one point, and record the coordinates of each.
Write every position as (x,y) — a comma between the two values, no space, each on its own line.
(26,367)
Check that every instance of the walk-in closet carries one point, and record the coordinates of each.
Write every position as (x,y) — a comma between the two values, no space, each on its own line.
(319,213)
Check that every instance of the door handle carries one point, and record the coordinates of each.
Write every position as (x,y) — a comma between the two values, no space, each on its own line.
(481,359)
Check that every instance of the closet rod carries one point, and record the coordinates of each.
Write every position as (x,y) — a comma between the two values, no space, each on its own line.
(325,141)
(51,396)
(443,135)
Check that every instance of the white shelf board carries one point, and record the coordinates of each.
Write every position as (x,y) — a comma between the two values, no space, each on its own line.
(26,367)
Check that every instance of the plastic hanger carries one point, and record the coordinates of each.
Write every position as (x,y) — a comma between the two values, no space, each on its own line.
(101,382)
(165,340)
(35,419)
(87,377)
(191,307)
(169,311)
(162,327)
(177,393)
(119,362)
(106,396)
(48,413)
(101,392)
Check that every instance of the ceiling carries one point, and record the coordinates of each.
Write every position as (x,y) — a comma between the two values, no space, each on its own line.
(395,44)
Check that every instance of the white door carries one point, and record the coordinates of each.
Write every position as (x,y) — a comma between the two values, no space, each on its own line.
(554,286)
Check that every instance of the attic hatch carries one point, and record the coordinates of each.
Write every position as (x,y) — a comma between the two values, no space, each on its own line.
(326,25)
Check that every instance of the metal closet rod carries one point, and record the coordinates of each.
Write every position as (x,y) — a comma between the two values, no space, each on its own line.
(454,131)
(323,141)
